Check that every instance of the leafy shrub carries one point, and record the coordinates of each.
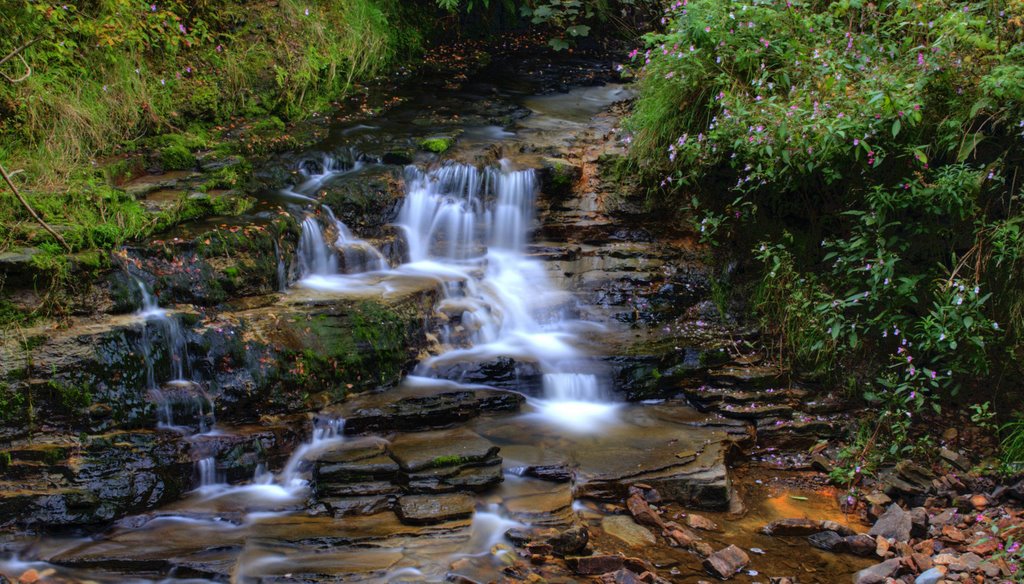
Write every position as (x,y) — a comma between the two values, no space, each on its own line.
(865,152)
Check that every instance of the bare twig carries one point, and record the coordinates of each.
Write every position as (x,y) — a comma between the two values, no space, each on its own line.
(17,53)
(28,207)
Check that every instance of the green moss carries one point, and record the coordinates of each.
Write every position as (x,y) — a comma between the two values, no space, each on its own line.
(437,145)
(5,460)
(71,396)
(177,157)
(54,456)
(12,405)
(449,460)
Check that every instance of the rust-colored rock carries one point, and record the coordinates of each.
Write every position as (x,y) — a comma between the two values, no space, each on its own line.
(642,511)
(700,522)
(595,565)
(726,562)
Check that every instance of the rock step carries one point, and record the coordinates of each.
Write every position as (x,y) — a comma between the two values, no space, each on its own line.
(412,407)
(749,376)
(372,474)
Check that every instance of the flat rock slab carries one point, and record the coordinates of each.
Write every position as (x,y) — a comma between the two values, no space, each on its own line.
(414,407)
(443,448)
(430,509)
(624,528)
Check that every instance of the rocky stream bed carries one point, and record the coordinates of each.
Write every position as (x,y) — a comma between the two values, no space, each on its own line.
(311,392)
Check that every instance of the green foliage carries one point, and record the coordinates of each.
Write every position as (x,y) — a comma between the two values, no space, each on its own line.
(104,73)
(872,149)
(1012,445)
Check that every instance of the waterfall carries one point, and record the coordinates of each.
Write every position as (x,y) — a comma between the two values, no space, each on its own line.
(206,468)
(467,220)
(315,257)
(177,346)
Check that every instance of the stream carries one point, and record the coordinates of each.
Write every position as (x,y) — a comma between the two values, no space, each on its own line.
(518,421)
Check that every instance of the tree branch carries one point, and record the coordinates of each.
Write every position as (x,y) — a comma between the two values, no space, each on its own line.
(32,211)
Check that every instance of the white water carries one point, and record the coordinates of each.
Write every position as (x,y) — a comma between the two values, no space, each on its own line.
(287,487)
(173,336)
(468,228)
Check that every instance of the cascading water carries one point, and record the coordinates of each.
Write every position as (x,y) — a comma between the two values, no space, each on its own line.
(475,223)
(173,334)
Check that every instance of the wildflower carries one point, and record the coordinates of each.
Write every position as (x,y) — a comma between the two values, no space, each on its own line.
(995,325)
(307,12)
(856,142)
(152,7)
(181,27)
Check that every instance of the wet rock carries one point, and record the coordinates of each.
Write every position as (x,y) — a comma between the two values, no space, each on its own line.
(570,541)
(430,509)
(860,544)
(627,530)
(802,527)
(895,524)
(422,408)
(878,573)
(726,562)
(558,176)
(829,541)
(469,476)
(642,511)
(366,201)
(443,448)
(595,565)
(700,522)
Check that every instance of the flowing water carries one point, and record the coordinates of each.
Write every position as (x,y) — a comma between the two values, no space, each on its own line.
(469,233)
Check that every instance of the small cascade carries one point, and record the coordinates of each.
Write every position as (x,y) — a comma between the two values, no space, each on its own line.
(326,433)
(206,469)
(315,257)
(357,255)
(316,172)
(183,406)
(173,335)
(472,226)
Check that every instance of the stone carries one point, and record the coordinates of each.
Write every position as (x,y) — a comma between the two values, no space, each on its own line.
(922,561)
(952,534)
(425,450)
(629,531)
(726,562)
(944,518)
(642,511)
(955,459)
(700,522)
(430,509)
(821,463)
(979,502)
(829,541)
(895,524)
(804,527)
(878,499)
(882,546)
(930,576)
(984,546)
(918,522)
(990,569)
(860,544)
(570,541)
(878,573)
(595,565)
